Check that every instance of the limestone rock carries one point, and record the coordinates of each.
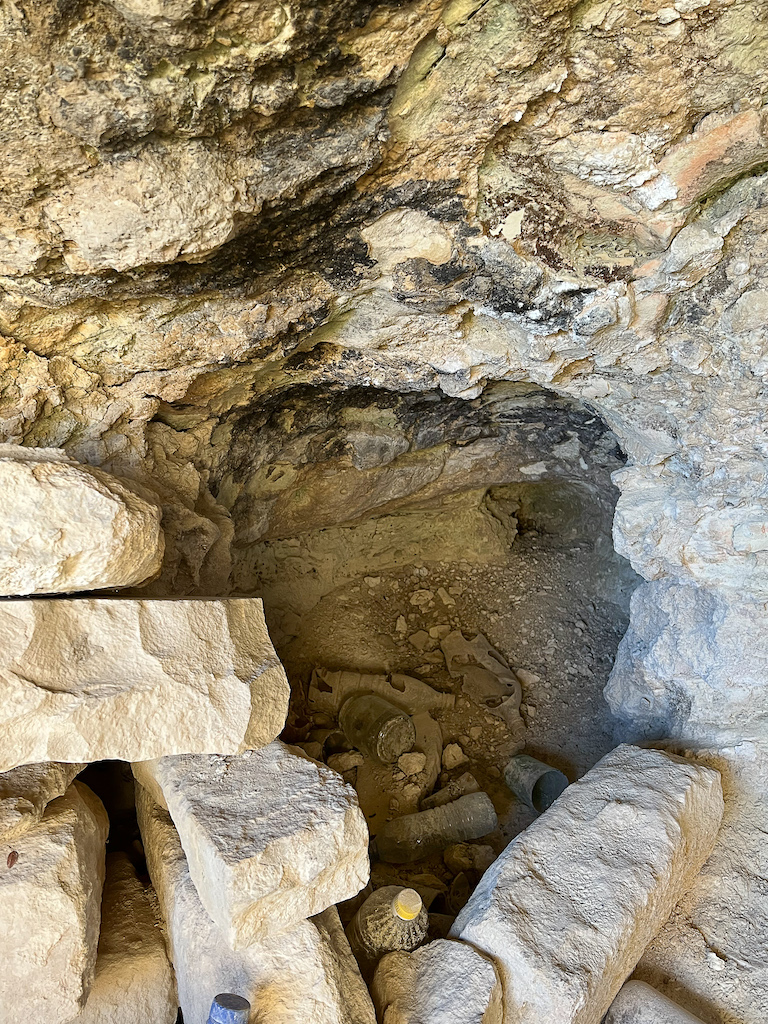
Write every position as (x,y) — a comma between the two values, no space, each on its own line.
(133,981)
(68,527)
(444,981)
(568,908)
(25,792)
(91,679)
(50,894)
(271,837)
(638,1003)
(304,974)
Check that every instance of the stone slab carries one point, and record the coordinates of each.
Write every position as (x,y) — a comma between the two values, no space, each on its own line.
(271,836)
(638,1003)
(66,527)
(26,791)
(444,981)
(305,974)
(133,980)
(94,678)
(568,908)
(51,880)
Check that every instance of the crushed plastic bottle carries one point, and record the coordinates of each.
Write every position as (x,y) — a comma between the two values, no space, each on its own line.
(415,836)
(534,782)
(392,918)
(377,728)
(228,1008)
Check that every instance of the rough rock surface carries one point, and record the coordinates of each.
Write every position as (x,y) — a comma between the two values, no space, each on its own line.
(271,837)
(444,981)
(50,894)
(25,792)
(92,679)
(568,908)
(305,974)
(133,980)
(68,527)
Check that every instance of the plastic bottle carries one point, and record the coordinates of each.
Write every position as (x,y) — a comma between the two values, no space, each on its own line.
(391,918)
(415,836)
(377,728)
(535,783)
(228,1008)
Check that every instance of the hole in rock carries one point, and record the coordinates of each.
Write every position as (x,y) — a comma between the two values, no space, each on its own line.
(385,532)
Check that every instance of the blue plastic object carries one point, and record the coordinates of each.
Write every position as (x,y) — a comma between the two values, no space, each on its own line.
(228,1008)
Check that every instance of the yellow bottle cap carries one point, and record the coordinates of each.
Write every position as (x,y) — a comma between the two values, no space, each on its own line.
(407,904)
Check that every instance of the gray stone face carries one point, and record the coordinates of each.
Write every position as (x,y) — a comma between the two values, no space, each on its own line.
(91,679)
(638,1003)
(304,974)
(50,902)
(270,836)
(568,908)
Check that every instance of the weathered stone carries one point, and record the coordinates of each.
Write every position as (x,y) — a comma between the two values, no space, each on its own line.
(568,908)
(25,792)
(444,981)
(638,1003)
(51,878)
(304,974)
(133,981)
(68,527)
(271,837)
(91,679)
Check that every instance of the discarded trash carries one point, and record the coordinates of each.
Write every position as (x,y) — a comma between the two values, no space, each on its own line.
(465,784)
(391,918)
(486,677)
(329,690)
(377,728)
(415,836)
(640,1002)
(228,1008)
(535,783)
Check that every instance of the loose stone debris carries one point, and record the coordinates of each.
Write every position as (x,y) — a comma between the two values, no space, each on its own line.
(72,527)
(91,679)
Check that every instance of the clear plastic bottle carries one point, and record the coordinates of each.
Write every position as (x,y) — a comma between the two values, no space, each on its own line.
(377,728)
(415,836)
(391,918)
(228,1008)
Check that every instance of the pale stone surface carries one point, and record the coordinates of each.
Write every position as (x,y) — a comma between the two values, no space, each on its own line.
(638,1003)
(271,837)
(304,974)
(133,981)
(68,527)
(92,679)
(51,879)
(568,908)
(444,981)
(25,792)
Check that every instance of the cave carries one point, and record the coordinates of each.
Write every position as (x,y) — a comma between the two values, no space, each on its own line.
(383,558)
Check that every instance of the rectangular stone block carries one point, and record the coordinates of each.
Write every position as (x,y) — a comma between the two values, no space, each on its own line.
(133,980)
(306,974)
(51,879)
(271,836)
(26,791)
(66,527)
(443,982)
(568,908)
(96,678)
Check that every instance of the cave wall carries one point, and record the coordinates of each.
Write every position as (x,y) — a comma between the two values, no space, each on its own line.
(207,204)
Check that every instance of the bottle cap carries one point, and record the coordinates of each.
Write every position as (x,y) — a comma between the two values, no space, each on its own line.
(228,1008)
(407,904)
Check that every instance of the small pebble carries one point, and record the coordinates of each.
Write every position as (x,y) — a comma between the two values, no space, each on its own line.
(453,756)
(401,625)
(344,762)
(372,581)
(438,632)
(476,732)
(420,640)
(444,596)
(413,763)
